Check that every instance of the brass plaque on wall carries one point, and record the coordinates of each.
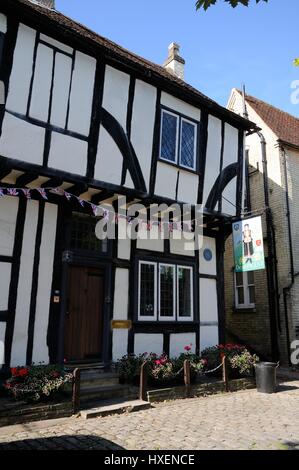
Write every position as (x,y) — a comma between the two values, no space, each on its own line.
(121,324)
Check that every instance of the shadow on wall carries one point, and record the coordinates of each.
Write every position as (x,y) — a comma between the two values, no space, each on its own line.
(64,442)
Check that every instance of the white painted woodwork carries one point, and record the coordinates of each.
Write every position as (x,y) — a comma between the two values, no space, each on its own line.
(68,154)
(29,144)
(2,342)
(40,100)
(119,344)
(57,44)
(178,341)
(209,336)
(61,86)
(109,161)
(45,273)
(142,128)
(8,217)
(148,343)
(213,155)
(20,77)
(3,23)
(82,93)
(5,272)
(121,294)
(115,96)
(208,267)
(166,180)
(208,300)
(177,105)
(188,187)
(20,335)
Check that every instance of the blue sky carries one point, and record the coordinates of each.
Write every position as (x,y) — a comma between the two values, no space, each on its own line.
(223,47)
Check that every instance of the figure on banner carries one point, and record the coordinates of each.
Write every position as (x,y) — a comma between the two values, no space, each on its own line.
(248,244)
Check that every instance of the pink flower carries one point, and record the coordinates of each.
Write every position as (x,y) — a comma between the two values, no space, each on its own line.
(204,362)
(158,362)
(187,348)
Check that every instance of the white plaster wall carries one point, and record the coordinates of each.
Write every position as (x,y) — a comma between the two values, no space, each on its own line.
(68,154)
(149,240)
(123,243)
(166,180)
(147,343)
(20,336)
(208,267)
(82,93)
(180,106)
(5,272)
(121,294)
(178,341)
(45,273)
(21,140)
(188,187)
(182,246)
(230,154)
(57,44)
(40,99)
(213,155)
(208,300)
(115,97)
(109,160)
(8,216)
(119,344)
(2,342)
(142,128)
(209,336)
(62,77)
(22,67)
(230,195)
(3,23)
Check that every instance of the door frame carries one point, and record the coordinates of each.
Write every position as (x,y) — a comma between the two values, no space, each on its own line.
(70,259)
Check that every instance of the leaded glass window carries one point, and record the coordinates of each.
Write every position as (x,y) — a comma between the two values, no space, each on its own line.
(169,136)
(83,237)
(167,291)
(188,143)
(185,291)
(147,290)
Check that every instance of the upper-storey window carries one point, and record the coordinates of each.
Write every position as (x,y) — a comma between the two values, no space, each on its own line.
(178,140)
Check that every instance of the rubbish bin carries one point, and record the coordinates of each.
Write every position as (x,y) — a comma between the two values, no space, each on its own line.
(265,374)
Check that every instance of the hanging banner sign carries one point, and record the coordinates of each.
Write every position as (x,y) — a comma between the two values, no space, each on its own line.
(248,245)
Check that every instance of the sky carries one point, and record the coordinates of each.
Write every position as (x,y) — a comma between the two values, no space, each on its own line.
(223,47)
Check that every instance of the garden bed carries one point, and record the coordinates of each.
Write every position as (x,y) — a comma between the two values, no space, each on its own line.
(199,389)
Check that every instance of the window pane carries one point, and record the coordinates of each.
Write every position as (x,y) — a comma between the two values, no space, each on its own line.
(166,291)
(240,291)
(184,287)
(169,137)
(147,290)
(83,235)
(251,294)
(250,278)
(239,279)
(187,144)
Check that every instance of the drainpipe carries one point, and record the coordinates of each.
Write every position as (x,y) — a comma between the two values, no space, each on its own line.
(287,289)
(272,259)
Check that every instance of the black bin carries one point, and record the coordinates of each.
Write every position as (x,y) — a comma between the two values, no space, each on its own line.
(265,374)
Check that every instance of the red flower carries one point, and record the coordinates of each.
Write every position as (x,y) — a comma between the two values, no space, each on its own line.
(220,346)
(14,371)
(204,362)
(23,372)
(187,348)
(55,374)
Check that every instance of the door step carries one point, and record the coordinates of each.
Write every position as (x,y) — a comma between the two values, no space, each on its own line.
(115,407)
(106,393)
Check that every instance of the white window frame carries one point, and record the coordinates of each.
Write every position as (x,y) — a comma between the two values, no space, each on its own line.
(245,286)
(173,317)
(154,316)
(195,144)
(179,317)
(164,111)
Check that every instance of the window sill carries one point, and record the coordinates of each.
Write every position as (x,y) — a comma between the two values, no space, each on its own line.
(176,165)
(244,309)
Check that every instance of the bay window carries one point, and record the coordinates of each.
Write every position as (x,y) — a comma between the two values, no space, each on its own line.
(165,292)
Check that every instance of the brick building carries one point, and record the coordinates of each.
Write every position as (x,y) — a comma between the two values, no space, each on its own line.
(267,319)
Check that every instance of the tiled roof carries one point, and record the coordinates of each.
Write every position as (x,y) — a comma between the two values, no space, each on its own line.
(114,51)
(284,125)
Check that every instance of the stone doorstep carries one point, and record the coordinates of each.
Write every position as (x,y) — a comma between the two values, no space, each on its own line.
(110,408)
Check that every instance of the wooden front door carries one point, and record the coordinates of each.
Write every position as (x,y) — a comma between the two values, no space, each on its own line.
(84,315)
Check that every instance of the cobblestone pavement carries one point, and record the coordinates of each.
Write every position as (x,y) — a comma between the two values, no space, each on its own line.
(241,420)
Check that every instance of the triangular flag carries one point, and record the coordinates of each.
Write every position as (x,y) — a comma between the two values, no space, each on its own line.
(27,193)
(42,192)
(12,192)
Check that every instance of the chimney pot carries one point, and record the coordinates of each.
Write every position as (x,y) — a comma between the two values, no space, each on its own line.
(175,64)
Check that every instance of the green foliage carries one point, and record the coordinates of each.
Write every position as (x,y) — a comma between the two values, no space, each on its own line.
(244,362)
(205,4)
